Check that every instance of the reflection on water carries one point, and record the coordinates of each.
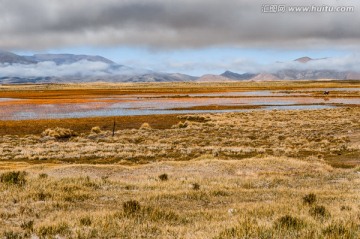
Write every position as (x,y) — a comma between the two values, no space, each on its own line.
(143,105)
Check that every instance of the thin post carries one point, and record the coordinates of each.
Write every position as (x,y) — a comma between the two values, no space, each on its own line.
(113,128)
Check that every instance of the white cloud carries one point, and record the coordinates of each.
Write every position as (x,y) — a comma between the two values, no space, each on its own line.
(80,68)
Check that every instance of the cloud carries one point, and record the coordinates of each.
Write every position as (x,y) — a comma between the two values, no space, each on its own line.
(243,65)
(343,64)
(41,24)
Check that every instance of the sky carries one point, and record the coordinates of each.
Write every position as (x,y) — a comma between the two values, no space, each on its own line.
(190,36)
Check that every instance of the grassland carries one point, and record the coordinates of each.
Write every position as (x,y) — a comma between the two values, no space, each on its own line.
(257,174)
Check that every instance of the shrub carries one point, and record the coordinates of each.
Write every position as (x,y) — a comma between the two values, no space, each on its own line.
(309,199)
(131,207)
(319,211)
(96,130)
(145,126)
(15,178)
(163,177)
(59,133)
(289,222)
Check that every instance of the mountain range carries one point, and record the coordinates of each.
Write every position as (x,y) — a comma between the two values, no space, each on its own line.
(62,68)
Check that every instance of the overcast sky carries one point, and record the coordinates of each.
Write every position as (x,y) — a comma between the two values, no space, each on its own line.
(189,36)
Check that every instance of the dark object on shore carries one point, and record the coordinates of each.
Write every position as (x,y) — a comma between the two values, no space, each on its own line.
(326,92)
(113,131)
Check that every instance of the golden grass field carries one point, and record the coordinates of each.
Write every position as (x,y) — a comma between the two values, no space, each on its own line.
(258,174)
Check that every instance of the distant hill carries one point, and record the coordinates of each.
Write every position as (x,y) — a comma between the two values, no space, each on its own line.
(27,69)
(113,72)
(11,58)
(236,76)
(304,59)
(265,77)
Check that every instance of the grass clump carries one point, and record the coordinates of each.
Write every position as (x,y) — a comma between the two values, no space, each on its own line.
(95,130)
(13,178)
(41,196)
(131,207)
(309,199)
(43,175)
(155,214)
(181,125)
(195,186)
(85,221)
(51,231)
(289,222)
(338,230)
(12,235)
(27,225)
(145,126)
(164,177)
(319,212)
(59,133)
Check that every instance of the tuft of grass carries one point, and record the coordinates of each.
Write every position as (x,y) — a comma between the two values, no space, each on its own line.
(59,133)
(289,222)
(41,196)
(181,125)
(155,214)
(131,207)
(145,126)
(12,235)
(43,175)
(13,178)
(319,212)
(195,186)
(85,221)
(27,225)
(338,230)
(345,208)
(96,130)
(51,231)
(164,177)
(309,199)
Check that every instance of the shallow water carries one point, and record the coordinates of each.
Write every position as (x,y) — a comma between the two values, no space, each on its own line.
(148,105)
(125,112)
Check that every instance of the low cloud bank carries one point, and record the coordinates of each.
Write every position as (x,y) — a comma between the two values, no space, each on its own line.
(81,68)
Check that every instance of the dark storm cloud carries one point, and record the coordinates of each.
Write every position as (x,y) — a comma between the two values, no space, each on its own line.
(40,24)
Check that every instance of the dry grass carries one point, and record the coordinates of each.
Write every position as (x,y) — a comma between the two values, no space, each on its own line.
(331,135)
(250,198)
(84,125)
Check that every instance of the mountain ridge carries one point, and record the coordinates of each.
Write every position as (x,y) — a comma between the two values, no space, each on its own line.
(110,71)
